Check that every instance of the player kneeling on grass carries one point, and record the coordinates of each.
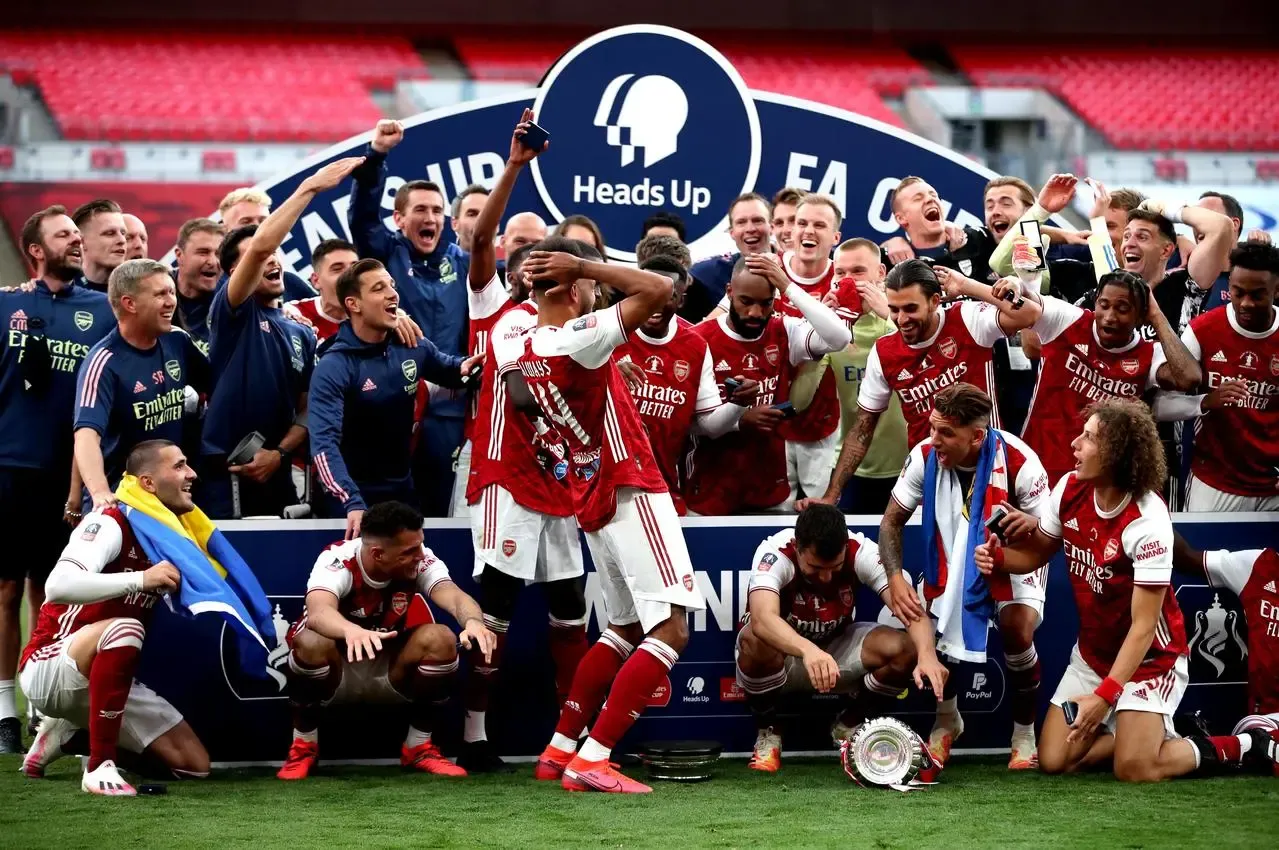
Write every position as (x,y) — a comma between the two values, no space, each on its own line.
(799,635)
(365,636)
(1128,671)
(78,667)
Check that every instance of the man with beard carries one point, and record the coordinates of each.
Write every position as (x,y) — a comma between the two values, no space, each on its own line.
(934,348)
(49,331)
(105,243)
(430,276)
(747,471)
(679,397)
(749,227)
(261,364)
(324,314)
(196,276)
(135,231)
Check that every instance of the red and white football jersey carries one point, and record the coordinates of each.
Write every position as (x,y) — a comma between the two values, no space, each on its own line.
(821,417)
(102,543)
(746,470)
(502,439)
(311,313)
(1108,554)
(374,605)
(1236,450)
(570,372)
(1253,576)
(817,612)
(960,350)
(484,308)
(1027,481)
(1075,370)
(680,386)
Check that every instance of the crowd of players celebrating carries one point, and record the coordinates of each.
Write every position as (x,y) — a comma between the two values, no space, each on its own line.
(1014,405)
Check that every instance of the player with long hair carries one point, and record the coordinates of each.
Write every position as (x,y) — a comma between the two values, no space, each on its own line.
(1128,670)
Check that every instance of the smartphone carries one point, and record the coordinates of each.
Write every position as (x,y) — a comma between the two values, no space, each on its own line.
(534,138)
(992,524)
(1030,229)
(1071,711)
(731,385)
(787,409)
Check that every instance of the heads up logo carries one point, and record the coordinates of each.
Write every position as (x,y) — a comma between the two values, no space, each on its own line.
(645,118)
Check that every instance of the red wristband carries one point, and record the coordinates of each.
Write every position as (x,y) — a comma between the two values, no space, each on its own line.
(1109,690)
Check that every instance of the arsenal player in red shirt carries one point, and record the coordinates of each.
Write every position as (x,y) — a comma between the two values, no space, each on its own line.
(1091,355)
(78,667)
(934,348)
(1236,455)
(522,525)
(747,471)
(679,395)
(1128,671)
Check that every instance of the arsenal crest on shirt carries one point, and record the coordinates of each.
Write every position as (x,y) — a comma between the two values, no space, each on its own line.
(400,603)
(1130,366)
(1111,550)
(772,354)
(1274,365)
(680,369)
(948,348)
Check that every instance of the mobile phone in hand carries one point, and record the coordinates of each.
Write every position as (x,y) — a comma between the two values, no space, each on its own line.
(731,385)
(1071,710)
(534,138)
(787,409)
(993,524)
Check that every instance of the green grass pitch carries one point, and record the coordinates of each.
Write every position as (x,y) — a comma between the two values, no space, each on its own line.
(808,804)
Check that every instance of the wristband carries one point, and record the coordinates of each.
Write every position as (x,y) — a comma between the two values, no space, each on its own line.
(286,456)
(1109,690)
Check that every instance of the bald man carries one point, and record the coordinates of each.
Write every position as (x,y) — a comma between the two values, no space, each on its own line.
(135,233)
(523,228)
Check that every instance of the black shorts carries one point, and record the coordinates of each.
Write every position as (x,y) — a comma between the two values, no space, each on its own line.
(31,505)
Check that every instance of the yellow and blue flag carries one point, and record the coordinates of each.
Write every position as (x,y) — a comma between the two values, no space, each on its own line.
(215,579)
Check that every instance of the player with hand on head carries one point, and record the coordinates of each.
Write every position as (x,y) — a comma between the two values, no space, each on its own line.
(1128,671)
(522,525)
(620,500)
(799,632)
(78,667)
(748,471)
(965,475)
(367,635)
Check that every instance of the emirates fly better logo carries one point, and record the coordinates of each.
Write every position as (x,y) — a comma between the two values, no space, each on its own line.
(644,118)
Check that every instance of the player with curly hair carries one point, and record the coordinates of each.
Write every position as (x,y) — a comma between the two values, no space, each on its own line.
(1128,670)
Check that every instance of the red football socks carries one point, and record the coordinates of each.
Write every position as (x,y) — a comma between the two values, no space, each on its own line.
(594,675)
(110,679)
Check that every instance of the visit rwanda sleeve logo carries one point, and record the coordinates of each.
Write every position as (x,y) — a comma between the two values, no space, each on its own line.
(632,113)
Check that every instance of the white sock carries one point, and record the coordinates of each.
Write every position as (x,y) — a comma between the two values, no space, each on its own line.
(473,727)
(1245,744)
(416,737)
(592,750)
(310,737)
(948,708)
(8,703)
(1023,730)
(564,742)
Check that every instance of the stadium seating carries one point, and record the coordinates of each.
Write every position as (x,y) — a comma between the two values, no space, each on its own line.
(1155,100)
(844,76)
(125,86)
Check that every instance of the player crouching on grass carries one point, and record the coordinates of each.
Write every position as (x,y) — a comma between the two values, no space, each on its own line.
(1128,670)
(365,636)
(799,634)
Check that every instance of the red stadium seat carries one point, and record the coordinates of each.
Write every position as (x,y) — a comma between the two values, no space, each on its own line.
(107,159)
(127,86)
(1267,169)
(1154,100)
(6,158)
